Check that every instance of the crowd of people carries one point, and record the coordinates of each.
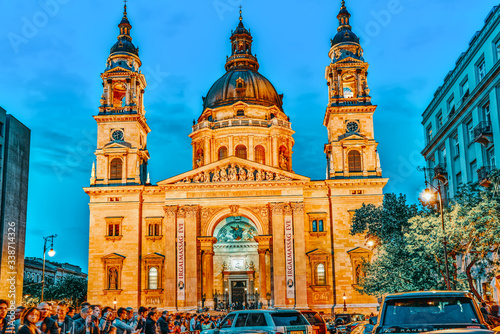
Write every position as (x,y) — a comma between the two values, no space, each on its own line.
(48,318)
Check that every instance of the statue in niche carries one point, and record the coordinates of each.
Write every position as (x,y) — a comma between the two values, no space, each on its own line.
(242,174)
(223,175)
(103,100)
(233,176)
(216,177)
(199,159)
(113,278)
(269,176)
(250,175)
(283,161)
(258,175)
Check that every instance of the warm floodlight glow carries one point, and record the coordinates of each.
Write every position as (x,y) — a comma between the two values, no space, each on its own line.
(427,195)
(370,243)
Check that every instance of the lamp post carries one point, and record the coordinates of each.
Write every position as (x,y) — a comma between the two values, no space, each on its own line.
(52,252)
(114,303)
(427,196)
(345,305)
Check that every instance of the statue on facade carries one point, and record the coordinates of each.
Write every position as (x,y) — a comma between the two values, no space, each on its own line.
(283,161)
(113,278)
(233,173)
(199,159)
(216,177)
(205,177)
(269,176)
(250,174)
(243,174)
(258,175)
(223,175)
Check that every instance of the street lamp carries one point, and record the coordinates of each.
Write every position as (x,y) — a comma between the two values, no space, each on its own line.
(427,196)
(114,303)
(52,252)
(345,305)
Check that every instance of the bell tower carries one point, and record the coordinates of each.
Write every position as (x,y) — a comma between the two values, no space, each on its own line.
(121,155)
(351,151)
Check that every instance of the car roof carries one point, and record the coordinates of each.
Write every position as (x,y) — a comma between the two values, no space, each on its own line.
(437,293)
(265,311)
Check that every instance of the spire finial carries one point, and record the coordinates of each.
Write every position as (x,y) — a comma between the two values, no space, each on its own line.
(241,13)
(125,8)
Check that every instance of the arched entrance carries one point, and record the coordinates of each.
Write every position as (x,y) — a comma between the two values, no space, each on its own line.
(236,264)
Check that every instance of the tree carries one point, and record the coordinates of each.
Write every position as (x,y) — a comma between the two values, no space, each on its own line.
(71,288)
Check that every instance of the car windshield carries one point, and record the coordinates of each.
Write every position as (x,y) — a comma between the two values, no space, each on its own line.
(430,311)
(313,318)
(288,319)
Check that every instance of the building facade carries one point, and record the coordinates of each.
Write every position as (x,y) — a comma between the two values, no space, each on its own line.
(54,271)
(14,170)
(461,124)
(241,226)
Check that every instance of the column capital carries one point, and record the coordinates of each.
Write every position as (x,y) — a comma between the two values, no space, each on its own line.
(277,208)
(170,210)
(264,241)
(298,208)
(287,209)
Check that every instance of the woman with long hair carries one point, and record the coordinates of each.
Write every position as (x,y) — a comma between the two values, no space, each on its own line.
(29,318)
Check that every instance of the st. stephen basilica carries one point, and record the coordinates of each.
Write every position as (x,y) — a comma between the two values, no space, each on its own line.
(241,226)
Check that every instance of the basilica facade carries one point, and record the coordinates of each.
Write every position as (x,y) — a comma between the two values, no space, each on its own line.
(241,226)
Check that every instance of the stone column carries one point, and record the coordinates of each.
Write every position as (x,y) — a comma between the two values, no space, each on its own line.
(264,246)
(207,247)
(278,255)
(206,153)
(300,256)
(230,149)
(275,152)
(251,149)
(170,267)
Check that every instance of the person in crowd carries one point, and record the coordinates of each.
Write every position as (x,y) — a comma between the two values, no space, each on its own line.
(78,315)
(129,317)
(71,312)
(46,324)
(63,321)
(163,323)
(106,321)
(17,318)
(150,327)
(4,305)
(85,325)
(120,323)
(192,324)
(29,318)
(112,330)
(141,319)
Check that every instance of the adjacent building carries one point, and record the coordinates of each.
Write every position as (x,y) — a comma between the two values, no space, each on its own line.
(14,170)
(54,271)
(462,123)
(241,226)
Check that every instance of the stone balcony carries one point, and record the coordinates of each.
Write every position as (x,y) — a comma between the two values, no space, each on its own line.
(483,133)
(241,122)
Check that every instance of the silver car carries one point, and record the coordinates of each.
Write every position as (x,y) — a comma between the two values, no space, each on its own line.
(263,321)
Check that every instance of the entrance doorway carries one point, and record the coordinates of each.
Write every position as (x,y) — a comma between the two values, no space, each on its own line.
(238,294)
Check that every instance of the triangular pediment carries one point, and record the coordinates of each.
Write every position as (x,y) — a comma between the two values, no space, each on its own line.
(351,136)
(317,252)
(233,169)
(117,144)
(113,256)
(350,60)
(358,250)
(154,256)
(118,69)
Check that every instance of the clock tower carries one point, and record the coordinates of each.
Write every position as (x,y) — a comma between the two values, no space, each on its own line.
(351,151)
(121,155)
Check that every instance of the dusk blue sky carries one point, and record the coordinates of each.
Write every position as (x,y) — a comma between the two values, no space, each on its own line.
(53,52)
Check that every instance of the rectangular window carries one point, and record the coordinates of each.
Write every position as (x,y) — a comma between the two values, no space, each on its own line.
(486,113)
(470,132)
(490,156)
(320,226)
(315,226)
(459,180)
(473,171)
(439,120)
(443,155)
(464,88)
(428,133)
(117,230)
(113,230)
(1,129)
(457,146)
(481,70)
(497,49)
(450,104)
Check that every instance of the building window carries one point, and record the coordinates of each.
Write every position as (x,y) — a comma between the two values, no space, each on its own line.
(443,155)
(222,152)
(464,88)
(459,180)
(473,171)
(354,159)
(153,278)
(320,225)
(260,155)
(481,70)
(428,133)
(486,113)
(439,120)
(490,157)
(116,169)
(320,274)
(457,146)
(1,129)
(450,104)
(470,132)
(240,112)
(497,50)
(154,230)
(241,151)
(315,226)
(113,229)
(348,93)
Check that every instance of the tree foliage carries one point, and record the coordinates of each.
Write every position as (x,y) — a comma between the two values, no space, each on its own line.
(70,288)
(409,251)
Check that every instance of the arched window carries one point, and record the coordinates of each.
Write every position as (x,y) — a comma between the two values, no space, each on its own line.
(260,155)
(354,159)
(348,93)
(115,169)
(320,274)
(222,152)
(315,226)
(241,151)
(153,278)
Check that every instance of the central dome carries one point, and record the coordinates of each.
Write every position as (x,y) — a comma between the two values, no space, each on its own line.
(244,85)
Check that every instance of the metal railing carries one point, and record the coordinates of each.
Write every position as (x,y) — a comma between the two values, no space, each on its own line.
(241,122)
(483,129)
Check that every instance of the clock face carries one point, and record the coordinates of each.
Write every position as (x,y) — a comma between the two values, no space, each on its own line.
(352,127)
(117,135)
